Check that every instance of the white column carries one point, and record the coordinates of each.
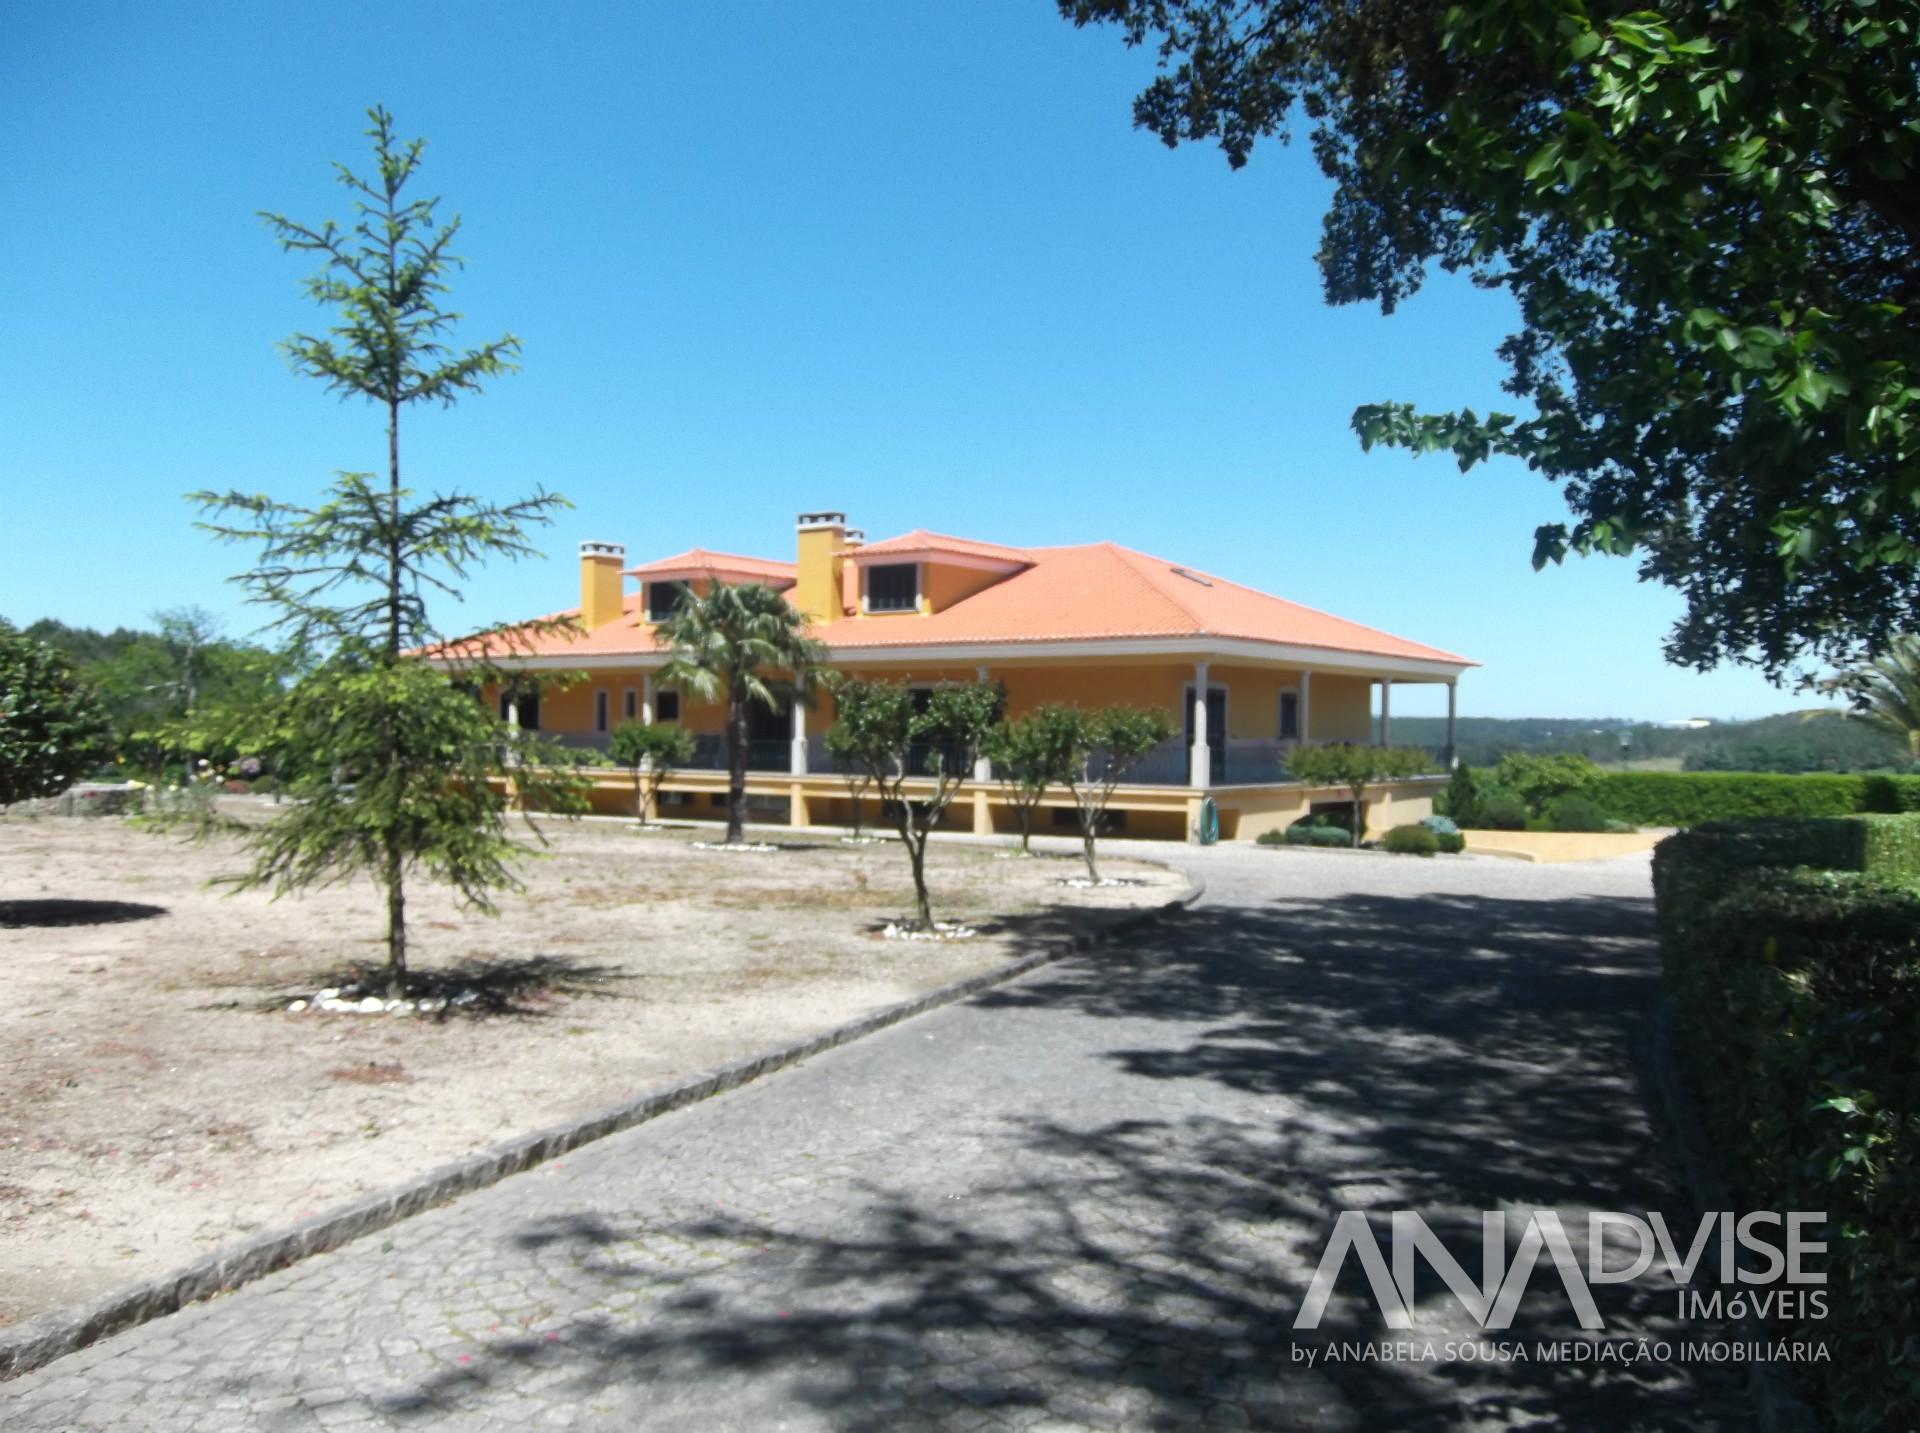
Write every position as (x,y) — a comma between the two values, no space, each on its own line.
(1386,711)
(1452,693)
(1306,704)
(1200,759)
(797,764)
(982,767)
(646,698)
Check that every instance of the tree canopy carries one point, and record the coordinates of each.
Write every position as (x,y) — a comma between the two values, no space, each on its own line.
(53,729)
(1707,217)
(403,771)
(744,646)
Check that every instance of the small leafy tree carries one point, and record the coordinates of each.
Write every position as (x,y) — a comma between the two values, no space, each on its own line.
(882,725)
(1356,768)
(53,728)
(1539,779)
(1031,753)
(726,644)
(1104,745)
(403,772)
(853,772)
(654,750)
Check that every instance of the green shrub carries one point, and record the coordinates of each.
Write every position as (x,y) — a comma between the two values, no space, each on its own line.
(1796,994)
(1451,842)
(1502,810)
(1691,798)
(1441,825)
(1461,799)
(1412,839)
(1890,793)
(1538,780)
(1303,834)
(1575,813)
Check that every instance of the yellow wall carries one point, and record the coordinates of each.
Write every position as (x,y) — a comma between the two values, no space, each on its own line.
(1338,706)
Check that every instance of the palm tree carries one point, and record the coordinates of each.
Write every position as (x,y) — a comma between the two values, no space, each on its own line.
(725,645)
(1886,692)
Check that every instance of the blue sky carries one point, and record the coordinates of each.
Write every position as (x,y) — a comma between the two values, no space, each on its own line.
(908,260)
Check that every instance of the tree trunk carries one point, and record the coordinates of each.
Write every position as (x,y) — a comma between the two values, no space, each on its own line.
(917,850)
(736,767)
(1026,830)
(1359,813)
(396,858)
(639,796)
(396,922)
(1089,836)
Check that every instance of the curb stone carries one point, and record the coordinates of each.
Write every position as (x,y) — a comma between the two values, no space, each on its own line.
(41,1340)
(1779,1404)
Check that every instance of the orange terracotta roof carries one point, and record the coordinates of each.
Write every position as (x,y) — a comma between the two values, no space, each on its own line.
(1103,591)
(699,559)
(920,540)
(1094,593)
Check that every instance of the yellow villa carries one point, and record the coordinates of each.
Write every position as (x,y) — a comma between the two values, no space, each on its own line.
(1247,675)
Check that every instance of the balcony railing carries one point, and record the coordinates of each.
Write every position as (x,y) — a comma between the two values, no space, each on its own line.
(710,754)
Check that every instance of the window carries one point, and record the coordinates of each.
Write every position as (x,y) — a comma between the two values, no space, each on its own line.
(663,600)
(1289,716)
(893,588)
(630,708)
(529,705)
(600,710)
(666,706)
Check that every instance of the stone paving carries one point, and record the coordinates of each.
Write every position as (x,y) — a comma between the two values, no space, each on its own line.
(1088,1200)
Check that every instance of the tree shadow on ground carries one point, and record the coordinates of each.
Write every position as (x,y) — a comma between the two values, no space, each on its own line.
(46,914)
(1447,1054)
(522,986)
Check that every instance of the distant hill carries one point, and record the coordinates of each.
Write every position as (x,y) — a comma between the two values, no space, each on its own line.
(1792,741)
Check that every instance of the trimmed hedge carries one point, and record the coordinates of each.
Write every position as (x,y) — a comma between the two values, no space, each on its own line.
(1890,793)
(1796,997)
(1691,798)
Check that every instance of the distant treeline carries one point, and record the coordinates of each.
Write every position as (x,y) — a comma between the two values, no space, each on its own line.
(151,679)
(1790,742)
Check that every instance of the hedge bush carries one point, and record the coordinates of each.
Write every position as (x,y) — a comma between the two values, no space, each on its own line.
(1412,839)
(1890,793)
(1575,813)
(1796,996)
(1303,834)
(1691,798)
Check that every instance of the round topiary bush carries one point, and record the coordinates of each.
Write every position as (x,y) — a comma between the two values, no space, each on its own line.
(1451,842)
(1410,840)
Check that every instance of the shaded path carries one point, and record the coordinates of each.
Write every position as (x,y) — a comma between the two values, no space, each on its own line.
(1091,1199)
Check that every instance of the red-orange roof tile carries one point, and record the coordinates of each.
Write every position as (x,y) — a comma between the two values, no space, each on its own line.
(699,559)
(1094,593)
(920,540)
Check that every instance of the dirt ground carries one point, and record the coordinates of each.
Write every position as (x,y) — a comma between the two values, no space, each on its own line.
(157,1098)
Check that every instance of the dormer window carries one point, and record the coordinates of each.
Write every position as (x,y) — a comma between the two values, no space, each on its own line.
(894,587)
(663,600)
